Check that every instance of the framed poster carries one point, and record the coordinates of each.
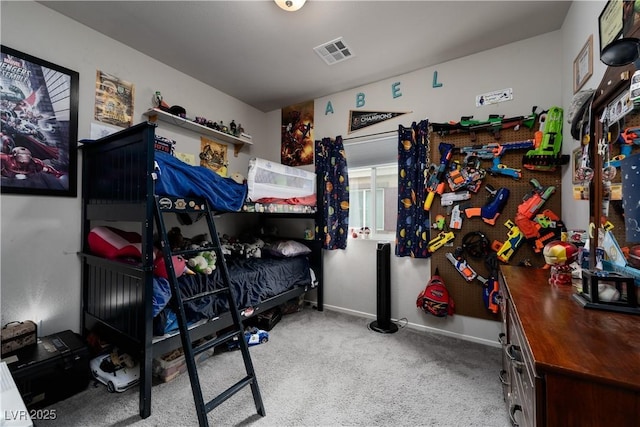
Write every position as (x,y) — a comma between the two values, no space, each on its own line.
(297,143)
(39,112)
(610,23)
(583,65)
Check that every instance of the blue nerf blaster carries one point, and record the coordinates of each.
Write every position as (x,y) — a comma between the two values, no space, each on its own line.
(492,209)
(627,139)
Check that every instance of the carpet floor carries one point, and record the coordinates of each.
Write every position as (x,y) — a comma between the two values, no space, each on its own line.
(322,369)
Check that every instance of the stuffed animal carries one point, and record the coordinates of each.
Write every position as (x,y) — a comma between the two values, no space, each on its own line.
(204,262)
(254,250)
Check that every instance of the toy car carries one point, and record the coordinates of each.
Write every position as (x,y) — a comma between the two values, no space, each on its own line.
(118,376)
(253,336)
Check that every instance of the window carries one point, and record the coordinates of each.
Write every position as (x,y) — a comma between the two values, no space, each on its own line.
(373,198)
(373,183)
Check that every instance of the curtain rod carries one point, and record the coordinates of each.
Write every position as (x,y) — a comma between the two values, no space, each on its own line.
(371,134)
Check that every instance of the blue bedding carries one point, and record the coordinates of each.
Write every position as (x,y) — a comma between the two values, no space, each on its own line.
(179,179)
(253,280)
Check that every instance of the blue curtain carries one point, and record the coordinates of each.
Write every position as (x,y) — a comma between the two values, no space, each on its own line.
(331,167)
(412,232)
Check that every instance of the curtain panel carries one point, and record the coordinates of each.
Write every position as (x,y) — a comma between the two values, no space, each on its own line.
(413,225)
(331,167)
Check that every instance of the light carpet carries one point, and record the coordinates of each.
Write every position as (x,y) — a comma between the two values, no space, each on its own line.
(323,369)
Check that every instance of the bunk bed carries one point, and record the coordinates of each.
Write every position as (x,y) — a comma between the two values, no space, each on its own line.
(122,173)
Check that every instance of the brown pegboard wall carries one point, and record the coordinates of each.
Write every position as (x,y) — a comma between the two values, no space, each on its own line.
(615,212)
(468,295)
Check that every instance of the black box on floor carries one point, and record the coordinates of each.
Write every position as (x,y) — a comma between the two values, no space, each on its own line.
(266,320)
(54,369)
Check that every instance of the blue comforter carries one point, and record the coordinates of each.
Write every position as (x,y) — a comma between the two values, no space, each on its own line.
(253,280)
(179,179)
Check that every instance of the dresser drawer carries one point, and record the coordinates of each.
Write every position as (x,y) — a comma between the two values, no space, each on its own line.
(522,372)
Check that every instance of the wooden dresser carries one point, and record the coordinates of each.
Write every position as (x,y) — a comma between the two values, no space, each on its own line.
(564,365)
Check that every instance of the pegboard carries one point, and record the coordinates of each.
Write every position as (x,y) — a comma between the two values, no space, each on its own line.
(468,295)
(615,214)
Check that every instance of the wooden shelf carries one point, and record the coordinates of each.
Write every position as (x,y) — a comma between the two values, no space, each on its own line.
(155,114)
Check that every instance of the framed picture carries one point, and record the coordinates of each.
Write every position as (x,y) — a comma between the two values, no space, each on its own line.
(39,112)
(630,18)
(610,23)
(583,65)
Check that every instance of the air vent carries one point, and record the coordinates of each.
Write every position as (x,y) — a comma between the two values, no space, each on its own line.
(334,51)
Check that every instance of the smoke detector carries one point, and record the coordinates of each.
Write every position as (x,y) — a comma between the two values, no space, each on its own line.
(334,51)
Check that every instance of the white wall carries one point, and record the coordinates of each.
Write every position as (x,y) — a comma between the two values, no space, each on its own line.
(532,68)
(581,21)
(41,235)
(40,277)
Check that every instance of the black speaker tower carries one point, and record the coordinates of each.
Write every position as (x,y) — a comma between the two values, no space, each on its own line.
(383,323)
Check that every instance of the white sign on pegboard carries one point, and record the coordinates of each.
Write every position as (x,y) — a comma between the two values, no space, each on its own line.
(494,97)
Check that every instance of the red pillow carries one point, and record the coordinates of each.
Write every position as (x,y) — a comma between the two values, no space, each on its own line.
(111,242)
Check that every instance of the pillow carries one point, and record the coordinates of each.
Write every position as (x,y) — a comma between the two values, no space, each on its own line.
(111,242)
(288,248)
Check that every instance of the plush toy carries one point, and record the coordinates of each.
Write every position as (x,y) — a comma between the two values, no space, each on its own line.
(204,262)
(179,266)
(254,250)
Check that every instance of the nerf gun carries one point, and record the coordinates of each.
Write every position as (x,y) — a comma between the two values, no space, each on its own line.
(530,206)
(491,288)
(505,250)
(447,199)
(462,266)
(468,177)
(435,183)
(494,152)
(492,209)
(493,124)
(627,139)
(440,240)
(456,218)
(548,143)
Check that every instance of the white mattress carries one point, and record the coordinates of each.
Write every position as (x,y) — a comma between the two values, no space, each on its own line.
(267,179)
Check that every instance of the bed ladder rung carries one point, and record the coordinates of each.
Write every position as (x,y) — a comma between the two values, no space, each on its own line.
(216,401)
(205,294)
(178,301)
(192,252)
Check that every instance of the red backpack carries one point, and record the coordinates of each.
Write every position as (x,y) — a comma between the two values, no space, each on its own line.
(435,298)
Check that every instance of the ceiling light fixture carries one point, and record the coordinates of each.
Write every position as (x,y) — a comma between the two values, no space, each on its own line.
(290,5)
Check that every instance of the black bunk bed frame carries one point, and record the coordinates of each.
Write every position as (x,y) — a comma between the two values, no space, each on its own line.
(118,185)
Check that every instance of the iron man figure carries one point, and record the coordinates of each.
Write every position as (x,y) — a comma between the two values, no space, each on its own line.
(20,164)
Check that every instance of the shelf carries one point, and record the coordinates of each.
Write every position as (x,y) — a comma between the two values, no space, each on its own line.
(155,114)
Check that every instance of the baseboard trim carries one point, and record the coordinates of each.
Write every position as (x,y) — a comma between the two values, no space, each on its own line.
(414,326)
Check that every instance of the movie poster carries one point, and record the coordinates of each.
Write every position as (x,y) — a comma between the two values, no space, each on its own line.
(39,112)
(297,135)
(213,155)
(114,100)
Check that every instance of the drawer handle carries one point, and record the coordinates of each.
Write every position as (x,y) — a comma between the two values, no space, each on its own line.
(515,355)
(502,375)
(502,338)
(512,414)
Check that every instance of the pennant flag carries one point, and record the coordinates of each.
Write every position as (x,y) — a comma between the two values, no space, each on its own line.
(362,119)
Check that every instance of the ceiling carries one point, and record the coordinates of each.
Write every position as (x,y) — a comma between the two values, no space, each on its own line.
(263,56)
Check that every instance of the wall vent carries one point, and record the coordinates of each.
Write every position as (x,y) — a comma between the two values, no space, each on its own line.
(334,51)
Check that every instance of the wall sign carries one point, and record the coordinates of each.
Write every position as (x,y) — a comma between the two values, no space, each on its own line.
(362,119)
(494,97)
